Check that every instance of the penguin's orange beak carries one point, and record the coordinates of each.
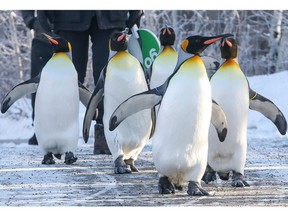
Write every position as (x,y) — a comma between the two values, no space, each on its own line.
(121,37)
(168,31)
(213,40)
(228,43)
(216,38)
(51,39)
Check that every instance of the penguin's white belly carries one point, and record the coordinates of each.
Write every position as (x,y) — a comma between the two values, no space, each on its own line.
(180,141)
(129,138)
(163,67)
(57,110)
(231,93)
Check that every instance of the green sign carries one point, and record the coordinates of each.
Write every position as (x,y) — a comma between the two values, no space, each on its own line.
(150,46)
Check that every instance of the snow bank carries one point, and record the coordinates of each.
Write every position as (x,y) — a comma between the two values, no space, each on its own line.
(273,87)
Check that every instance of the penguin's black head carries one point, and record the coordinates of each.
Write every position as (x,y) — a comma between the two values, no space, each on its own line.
(119,41)
(197,44)
(229,48)
(59,44)
(167,36)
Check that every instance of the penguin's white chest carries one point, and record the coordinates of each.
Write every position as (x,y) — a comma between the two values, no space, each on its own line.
(124,78)
(231,91)
(57,106)
(163,67)
(180,140)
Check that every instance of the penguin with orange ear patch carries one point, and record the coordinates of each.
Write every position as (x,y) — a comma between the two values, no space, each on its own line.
(228,83)
(122,77)
(164,64)
(57,90)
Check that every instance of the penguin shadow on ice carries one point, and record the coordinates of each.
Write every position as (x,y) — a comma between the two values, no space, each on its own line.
(180,139)
(122,77)
(230,88)
(56,104)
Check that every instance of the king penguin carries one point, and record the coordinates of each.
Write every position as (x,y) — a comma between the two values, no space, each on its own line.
(230,88)
(164,64)
(180,140)
(122,77)
(57,90)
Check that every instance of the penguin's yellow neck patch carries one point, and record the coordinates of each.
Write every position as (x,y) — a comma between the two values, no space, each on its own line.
(230,63)
(123,61)
(62,55)
(119,55)
(168,51)
(195,60)
(231,70)
(194,64)
(168,48)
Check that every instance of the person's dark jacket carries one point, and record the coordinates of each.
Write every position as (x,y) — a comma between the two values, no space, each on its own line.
(32,22)
(72,20)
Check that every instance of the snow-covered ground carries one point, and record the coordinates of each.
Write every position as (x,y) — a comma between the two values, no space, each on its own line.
(25,182)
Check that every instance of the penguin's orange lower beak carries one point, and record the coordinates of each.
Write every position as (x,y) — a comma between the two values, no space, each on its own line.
(121,37)
(50,39)
(213,40)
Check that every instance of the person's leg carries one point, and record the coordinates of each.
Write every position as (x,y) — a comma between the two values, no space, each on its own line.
(41,52)
(79,41)
(100,50)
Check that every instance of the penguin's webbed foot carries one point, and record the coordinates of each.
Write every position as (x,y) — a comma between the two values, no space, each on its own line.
(122,169)
(58,156)
(224,175)
(209,175)
(195,189)
(178,187)
(120,166)
(48,159)
(130,162)
(70,158)
(165,186)
(238,180)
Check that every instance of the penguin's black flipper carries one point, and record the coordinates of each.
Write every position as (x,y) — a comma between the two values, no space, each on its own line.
(219,121)
(27,87)
(91,109)
(265,106)
(84,94)
(153,117)
(136,103)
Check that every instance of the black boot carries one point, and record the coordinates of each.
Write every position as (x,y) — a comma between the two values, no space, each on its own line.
(100,144)
(33,140)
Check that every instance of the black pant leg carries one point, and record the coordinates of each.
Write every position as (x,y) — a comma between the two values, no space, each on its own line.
(79,41)
(100,50)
